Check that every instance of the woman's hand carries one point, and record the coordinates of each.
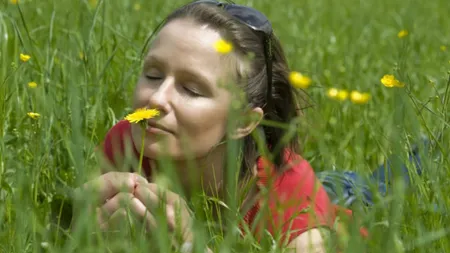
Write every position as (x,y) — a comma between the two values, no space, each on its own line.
(176,211)
(110,192)
(118,194)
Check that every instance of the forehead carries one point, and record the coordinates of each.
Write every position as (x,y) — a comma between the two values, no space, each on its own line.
(184,44)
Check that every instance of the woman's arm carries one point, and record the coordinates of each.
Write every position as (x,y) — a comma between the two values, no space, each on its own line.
(311,241)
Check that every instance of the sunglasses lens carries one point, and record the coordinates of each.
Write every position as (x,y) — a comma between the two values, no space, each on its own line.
(251,17)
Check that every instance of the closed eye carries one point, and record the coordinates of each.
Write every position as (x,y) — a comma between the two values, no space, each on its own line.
(191,92)
(151,77)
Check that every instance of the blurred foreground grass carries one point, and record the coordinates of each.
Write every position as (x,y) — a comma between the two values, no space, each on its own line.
(85,59)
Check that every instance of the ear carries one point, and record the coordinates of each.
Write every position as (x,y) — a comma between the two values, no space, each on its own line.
(249,121)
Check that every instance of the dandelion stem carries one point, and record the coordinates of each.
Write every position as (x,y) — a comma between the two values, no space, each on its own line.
(141,152)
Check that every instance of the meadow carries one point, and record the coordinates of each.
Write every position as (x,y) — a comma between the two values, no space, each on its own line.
(84,61)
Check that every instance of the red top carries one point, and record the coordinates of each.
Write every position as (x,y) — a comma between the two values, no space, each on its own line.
(297,200)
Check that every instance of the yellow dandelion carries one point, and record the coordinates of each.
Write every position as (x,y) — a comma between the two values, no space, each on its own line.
(24,57)
(390,81)
(141,114)
(137,6)
(32,84)
(332,92)
(298,80)
(93,3)
(359,98)
(33,115)
(342,95)
(14,1)
(223,47)
(81,55)
(402,34)
(443,48)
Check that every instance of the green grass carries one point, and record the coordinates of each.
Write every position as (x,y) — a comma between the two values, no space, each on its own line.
(344,44)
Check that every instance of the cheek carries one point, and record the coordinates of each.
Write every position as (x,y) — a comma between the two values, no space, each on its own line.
(141,94)
(204,124)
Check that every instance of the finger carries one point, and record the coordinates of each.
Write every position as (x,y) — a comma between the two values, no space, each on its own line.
(101,218)
(114,220)
(168,196)
(176,214)
(120,200)
(146,196)
(140,179)
(139,210)
(128,203)
(111,183)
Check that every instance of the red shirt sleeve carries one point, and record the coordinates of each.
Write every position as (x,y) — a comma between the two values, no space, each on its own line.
(115,144)
(296,203)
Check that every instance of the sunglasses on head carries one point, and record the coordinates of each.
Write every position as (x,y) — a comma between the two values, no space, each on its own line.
(256,21)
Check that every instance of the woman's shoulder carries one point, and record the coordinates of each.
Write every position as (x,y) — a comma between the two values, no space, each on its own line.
(119,129)
(115,140)
(296,200)
(294,168)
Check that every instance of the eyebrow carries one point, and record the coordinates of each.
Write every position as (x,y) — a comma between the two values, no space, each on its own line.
(154,60)
(190,73)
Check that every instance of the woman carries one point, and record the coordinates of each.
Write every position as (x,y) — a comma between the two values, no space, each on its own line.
(185,77)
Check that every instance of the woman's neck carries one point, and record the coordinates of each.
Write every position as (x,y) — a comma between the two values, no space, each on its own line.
(203,174)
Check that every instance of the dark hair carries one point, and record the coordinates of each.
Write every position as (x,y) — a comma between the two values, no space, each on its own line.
(284,106)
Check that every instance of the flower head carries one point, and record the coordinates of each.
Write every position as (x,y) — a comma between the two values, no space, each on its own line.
(332,92)
(24,57)
(443,48)
(359,98)
(402,34)
(32,84)
(298,80)
(93,3)
(141,114)
(390,81)
(223,47)
(33,115)
(337,94)
(342,95)
(137,6)
(14,1)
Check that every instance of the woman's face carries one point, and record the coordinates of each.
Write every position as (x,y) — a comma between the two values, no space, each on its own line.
(182,78)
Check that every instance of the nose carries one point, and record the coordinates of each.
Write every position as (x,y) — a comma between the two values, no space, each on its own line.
(161,98)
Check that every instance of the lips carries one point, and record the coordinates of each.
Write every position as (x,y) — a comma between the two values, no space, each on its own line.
(156,125)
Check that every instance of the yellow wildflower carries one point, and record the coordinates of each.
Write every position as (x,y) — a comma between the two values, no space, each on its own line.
(390,81)
(298,80)
(359,98)
(443,48)
(141,114)
(24,57)
(332,92)
(93,3)
(14,1)
(223,47)
(137,6)
(402,34)
(342,95)
(32,84)
(33,115)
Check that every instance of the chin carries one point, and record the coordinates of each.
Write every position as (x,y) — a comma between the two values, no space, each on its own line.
(158,149)
(175,152)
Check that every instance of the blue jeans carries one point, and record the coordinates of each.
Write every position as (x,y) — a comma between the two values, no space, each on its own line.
(347,187)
